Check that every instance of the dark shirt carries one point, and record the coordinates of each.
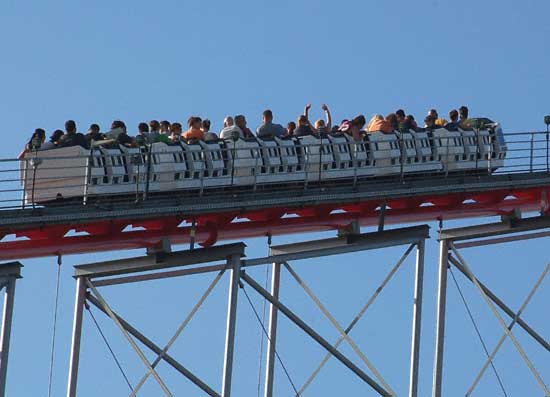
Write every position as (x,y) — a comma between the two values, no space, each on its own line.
(404,126)
(124,139)
(303,130)
(142,140)
(452,126)
(74,139)
(247,133)
(94,136)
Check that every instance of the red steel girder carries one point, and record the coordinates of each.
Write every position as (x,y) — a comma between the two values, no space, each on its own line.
(116,234)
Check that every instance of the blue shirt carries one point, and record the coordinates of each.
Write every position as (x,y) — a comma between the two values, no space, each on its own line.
(270,130)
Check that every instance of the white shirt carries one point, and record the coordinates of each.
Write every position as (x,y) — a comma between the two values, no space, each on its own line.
(230,132)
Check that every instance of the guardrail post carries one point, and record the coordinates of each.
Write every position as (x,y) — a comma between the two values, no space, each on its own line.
(149,148)
(547,132)
(531,152)
(87,177)
(24,182)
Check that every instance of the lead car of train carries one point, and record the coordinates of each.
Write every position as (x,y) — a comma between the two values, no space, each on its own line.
(102,172)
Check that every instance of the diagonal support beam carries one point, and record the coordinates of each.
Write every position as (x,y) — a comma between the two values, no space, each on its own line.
(510,326)
(499,318)
(128,338)
(179,330)
(502,306)
(315,336)
(156,349)
(339,328)
(356,319)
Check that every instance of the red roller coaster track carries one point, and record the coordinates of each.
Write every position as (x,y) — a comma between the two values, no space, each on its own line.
(41,237)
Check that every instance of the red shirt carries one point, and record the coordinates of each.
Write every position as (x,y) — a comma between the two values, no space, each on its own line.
(194,133)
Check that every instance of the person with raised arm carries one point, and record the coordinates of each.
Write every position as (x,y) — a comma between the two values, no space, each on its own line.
(321,126)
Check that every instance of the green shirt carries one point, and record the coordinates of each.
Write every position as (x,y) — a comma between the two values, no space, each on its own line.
(162,138)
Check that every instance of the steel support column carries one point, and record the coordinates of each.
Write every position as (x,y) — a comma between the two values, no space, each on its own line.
(7,316)
(417,318)
(9,273)
(440,320)
(234,264)
(272,331)
(76,336)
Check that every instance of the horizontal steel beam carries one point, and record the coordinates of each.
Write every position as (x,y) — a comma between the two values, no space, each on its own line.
(501,240)
(496,229)
(159,261)
(11,269)
(158,276)
(343,245)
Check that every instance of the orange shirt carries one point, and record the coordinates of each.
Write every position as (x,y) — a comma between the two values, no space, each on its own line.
(194,133)
(379,125)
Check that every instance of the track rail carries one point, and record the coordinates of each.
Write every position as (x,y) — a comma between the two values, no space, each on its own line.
(77,229)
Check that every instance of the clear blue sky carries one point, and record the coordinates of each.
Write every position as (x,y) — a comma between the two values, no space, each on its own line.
(138,60)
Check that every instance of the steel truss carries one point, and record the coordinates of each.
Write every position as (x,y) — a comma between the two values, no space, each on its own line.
(450,242)
(9,273)
(91,277)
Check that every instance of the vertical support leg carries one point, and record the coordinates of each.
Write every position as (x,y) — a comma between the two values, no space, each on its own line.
(272,336)
(77,331)
(417,319)
(7,316)
(440,321)
(235,276)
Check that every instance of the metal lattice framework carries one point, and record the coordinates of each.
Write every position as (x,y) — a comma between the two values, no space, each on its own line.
(157,223)
(90,278)
(450,242)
